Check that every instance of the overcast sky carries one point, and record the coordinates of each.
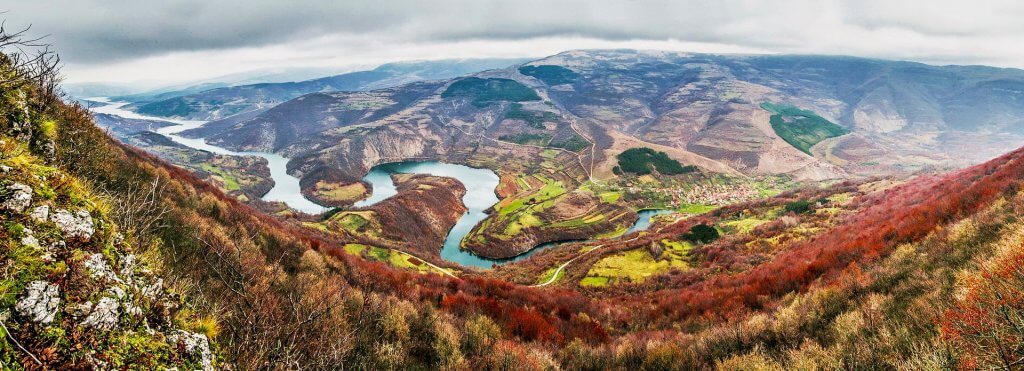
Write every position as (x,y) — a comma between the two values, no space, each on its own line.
(170,41)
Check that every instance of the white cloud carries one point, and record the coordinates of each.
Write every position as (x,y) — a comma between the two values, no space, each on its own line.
(174,40)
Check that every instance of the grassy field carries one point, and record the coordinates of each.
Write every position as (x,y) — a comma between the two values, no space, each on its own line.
(638,264)
(229,180)
(801,128)
(340,192)
(394,258)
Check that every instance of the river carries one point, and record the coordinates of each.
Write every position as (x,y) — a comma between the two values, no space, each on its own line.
(480,185)
(286,187)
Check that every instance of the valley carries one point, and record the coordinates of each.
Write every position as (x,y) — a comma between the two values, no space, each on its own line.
(592,209)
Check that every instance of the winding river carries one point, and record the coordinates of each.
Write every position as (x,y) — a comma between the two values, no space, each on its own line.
(480,185)
(286,187)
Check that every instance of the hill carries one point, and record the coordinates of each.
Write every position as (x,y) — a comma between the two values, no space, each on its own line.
(874,273)
(214,102)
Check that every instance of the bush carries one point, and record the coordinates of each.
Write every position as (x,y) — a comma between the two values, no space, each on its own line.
(799,207)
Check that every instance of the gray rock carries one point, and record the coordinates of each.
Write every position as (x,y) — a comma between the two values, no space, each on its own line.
(104,315)
(16,197)
(29,240)
(80,309)
(77,225)
(5,168)
(153,291)
(195,344)
(40,213)
(99,269)
(40,302)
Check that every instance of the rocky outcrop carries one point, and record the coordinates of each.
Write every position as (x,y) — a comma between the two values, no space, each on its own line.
(16,197)
(80,298)
(40,302)
(74,225)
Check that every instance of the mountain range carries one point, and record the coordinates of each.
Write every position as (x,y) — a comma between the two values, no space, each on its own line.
(734,114)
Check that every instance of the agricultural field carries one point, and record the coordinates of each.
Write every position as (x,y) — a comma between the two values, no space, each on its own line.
(544,209)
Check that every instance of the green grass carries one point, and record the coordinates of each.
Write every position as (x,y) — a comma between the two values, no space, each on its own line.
(801,128)
(230,181)
(743,225)
(638,265)
(548,273)
(594,281)
(610,196)
(696,209)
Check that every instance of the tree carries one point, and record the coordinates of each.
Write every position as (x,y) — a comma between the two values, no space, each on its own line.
(701,233)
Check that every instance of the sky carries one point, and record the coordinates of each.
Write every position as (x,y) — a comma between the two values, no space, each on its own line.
(151,43)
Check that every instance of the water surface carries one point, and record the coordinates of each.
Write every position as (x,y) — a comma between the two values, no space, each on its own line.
(286,187)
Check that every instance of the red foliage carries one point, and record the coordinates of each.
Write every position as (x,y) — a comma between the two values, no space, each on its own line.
(905,213)
(986,323)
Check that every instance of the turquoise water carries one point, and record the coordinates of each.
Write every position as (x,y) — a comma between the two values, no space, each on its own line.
(480,185)
(286,187)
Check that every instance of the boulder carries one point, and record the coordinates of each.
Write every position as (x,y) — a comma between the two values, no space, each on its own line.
(104,315)
(77,225)
(40,213)
(40,302)
(99,269)
(195,344)
(16,197)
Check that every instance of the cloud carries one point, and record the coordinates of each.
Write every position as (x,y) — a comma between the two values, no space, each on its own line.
(151,38)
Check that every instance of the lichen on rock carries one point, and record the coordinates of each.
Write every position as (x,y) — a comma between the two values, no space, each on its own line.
(74,225)
(104,315)
(40,214)
(40,302)
(195,344)
(16,197)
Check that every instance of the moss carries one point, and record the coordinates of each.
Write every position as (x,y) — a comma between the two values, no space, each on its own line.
(48,128)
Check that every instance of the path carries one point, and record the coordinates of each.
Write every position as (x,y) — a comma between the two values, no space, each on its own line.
(443,270)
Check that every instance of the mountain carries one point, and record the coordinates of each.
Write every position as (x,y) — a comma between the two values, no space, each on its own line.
(808,117)
(113,258)
(213,102)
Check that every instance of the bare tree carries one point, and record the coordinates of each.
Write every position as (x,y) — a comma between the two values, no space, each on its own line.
(31,61)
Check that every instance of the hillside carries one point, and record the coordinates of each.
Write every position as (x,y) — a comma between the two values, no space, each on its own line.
(870,273)
(221,102)
(884,117)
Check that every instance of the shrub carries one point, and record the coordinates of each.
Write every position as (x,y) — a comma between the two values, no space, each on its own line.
(798,207)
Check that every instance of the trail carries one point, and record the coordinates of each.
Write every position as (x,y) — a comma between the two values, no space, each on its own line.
(445,271)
